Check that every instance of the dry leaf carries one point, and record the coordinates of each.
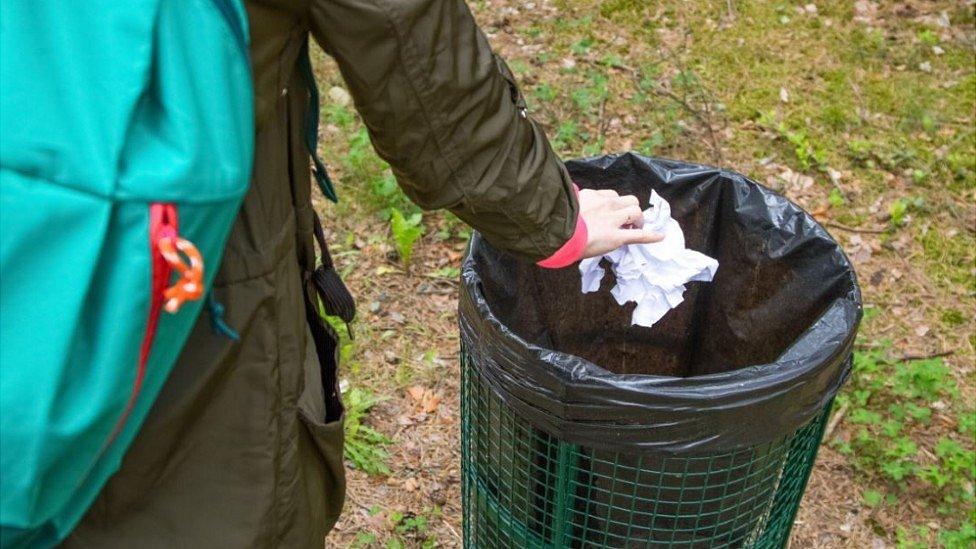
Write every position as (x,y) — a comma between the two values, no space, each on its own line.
(431,402)
(416,393)
(426,400)
(386,269)
(820,214)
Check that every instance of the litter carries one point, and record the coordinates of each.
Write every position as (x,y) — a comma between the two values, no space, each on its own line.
(651,275)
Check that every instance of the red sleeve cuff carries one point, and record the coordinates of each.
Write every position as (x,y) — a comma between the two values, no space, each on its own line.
(572,250)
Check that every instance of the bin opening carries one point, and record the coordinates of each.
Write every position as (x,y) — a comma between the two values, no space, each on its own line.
(778,273)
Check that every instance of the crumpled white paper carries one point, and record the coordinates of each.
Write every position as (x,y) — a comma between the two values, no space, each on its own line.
(652,275)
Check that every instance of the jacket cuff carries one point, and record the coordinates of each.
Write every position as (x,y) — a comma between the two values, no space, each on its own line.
(572,250)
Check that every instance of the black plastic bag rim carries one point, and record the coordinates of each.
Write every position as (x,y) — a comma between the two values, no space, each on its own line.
(692,385)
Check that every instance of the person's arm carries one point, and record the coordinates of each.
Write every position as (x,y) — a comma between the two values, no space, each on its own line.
(447,115)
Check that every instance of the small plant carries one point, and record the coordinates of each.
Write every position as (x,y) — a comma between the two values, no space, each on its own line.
(582,46)
(450,273)
(588,97)
(364,445)
(898,211)
(363,540)
(919,176)
(836,198)
(339,115)
(405,231)
(807,153)
(412,527)
(872,498)
(545,93)
(928,37)
(385,186)
(963,538)
(452,227)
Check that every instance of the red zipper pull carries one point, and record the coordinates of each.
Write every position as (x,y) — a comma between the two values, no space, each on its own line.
(173,248)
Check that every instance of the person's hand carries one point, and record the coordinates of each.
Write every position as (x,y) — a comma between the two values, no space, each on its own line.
(612,221)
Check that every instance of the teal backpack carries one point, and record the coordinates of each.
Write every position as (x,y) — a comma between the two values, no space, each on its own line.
(126,143)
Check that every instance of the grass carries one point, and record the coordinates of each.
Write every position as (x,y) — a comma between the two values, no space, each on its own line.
(875,105)
(891,404)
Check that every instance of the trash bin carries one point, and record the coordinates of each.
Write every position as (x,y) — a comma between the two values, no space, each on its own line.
(579,429)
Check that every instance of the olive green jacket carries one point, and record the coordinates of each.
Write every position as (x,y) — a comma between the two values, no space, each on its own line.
(244,446)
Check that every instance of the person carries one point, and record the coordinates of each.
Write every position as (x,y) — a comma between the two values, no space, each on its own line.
(243,447)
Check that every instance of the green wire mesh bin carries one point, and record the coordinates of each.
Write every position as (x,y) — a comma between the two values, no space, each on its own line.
(525,488)
(581,430)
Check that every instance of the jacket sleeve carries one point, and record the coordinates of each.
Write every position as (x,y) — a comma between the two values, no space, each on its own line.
(447,115)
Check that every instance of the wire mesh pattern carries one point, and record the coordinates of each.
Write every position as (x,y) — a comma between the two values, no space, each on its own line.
(523,488)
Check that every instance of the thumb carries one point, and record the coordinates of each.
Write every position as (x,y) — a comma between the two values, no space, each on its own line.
(640,236)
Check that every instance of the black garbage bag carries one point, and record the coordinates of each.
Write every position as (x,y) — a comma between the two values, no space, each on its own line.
(738,369)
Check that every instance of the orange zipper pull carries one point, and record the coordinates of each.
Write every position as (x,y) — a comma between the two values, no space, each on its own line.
(189,287)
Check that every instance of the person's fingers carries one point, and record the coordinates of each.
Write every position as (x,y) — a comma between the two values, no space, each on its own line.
(640,236)
(608,193)
(627,201)
(630,216)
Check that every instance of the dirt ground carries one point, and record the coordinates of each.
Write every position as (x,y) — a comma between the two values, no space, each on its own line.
(860,111)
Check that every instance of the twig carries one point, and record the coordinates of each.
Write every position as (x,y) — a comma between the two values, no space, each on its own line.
(835,421)
(612,64)
(453,531)
(835,225)
(353,500)
(601,121)
(924,356)
(731,8)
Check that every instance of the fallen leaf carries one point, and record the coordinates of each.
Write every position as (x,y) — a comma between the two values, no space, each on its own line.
(426,400)
(386,269)
(431,402)
(411,485)
(820,214)
(784,95)
(416,392)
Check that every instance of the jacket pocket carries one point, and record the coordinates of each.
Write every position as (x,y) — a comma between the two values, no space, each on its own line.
(326,479)
(320,410)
